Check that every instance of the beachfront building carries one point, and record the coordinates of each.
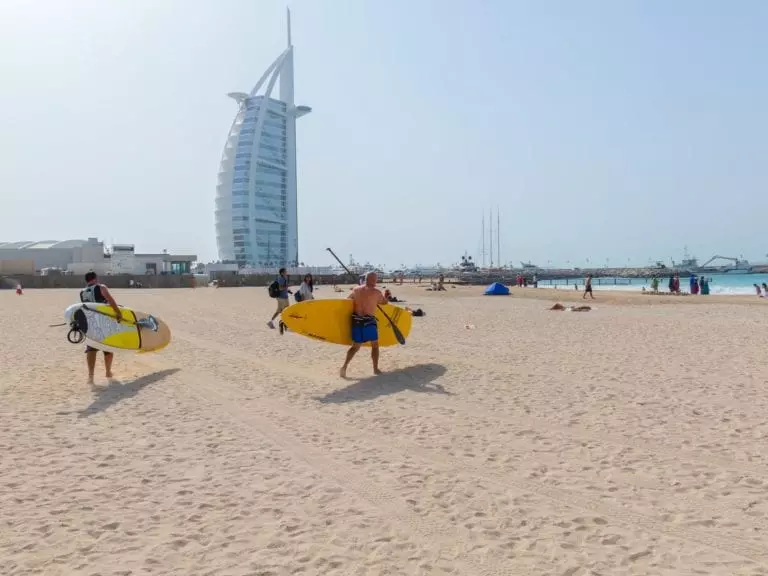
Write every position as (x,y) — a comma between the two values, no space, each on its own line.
(81,256)
(256,211)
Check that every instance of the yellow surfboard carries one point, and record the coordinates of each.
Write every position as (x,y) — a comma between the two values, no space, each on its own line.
(331,321)
(137,331)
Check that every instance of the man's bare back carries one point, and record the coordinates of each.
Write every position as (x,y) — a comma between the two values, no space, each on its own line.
(366,299)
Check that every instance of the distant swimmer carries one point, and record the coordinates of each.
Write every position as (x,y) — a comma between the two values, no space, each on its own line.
(98,293)
(588,287)
(366,299)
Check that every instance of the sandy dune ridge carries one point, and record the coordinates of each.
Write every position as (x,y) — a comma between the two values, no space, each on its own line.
(627,440)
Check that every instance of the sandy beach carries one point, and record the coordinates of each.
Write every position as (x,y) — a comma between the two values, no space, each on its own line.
(504,439)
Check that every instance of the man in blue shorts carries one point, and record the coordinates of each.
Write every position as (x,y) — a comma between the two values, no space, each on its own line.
(366,299)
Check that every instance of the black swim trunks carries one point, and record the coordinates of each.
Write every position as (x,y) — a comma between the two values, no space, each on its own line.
(92,349)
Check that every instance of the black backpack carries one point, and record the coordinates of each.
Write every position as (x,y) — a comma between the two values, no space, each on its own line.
(274,289)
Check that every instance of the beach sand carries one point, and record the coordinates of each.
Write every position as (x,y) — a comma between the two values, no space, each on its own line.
(505,440)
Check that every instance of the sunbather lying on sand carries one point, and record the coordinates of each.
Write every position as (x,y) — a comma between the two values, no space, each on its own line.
(560,308)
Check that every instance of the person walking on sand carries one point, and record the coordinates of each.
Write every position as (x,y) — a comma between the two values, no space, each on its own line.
(365,299)
(282,297)
(306,289)
(99,294)
(588,287)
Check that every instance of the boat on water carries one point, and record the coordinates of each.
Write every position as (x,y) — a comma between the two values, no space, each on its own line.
(466,264)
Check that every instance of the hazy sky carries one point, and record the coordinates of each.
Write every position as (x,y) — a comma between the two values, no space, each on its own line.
(602,129)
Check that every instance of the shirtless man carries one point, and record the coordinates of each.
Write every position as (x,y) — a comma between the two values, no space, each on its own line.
(366,299)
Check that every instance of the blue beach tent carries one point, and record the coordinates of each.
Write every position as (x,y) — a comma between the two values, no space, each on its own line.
(497,289)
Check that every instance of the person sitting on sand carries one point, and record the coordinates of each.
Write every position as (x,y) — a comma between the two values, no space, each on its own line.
(366,299)
(390,298)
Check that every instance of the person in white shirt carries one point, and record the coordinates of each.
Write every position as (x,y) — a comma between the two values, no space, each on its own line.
(306,289)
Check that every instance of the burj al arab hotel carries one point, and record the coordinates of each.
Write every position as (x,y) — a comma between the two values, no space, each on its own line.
(256,212)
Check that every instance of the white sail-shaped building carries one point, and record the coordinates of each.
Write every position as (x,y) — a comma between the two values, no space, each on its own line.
(256,208)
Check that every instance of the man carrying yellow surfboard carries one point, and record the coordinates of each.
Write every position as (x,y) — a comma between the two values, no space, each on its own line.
(366,299)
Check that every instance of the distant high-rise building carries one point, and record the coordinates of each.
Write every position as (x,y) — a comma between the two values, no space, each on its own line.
(256,208)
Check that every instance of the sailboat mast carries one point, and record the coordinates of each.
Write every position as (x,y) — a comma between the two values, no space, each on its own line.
(482,234)
(498,236)
(490,235)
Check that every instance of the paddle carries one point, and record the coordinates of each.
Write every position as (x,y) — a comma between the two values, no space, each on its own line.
(395,329)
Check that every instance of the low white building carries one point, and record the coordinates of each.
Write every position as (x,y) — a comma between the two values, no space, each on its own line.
(125,260)
(81,256)
(53,253)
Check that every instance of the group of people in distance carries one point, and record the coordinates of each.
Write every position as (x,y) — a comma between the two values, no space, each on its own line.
(365,298)
(697,285)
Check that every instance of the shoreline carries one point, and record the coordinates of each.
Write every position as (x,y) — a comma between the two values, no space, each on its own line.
(546,294)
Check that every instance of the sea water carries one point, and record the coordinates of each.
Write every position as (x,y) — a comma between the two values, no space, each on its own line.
(726,284)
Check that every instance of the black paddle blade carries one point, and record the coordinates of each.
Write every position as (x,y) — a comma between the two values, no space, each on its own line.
(395,329)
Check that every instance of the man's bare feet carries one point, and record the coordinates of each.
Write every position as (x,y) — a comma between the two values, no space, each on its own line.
(343,372)
(91,383)
(377,371)
(109,375)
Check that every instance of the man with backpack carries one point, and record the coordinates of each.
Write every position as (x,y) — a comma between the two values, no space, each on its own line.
(279,290)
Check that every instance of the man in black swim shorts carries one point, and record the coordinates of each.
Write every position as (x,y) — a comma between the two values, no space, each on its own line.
(98,293)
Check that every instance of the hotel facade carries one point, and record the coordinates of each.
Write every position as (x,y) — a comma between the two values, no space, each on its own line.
(256,193)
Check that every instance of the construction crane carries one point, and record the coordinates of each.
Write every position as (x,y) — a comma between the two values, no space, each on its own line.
(737,262)
(339,261)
